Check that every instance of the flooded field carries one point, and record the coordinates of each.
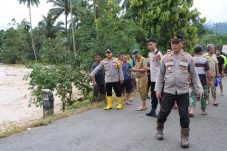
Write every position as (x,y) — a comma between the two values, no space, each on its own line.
(15,96)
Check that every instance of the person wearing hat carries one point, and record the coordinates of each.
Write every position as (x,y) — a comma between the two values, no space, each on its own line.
(141,73)
(203,71)
(177,69)
(154,58)
(113,78)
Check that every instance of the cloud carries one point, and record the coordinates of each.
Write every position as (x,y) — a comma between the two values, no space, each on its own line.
(12,9)
(213,10)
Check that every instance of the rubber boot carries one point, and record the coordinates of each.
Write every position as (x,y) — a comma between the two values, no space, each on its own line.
(184,137)
(109,103)
(119,103)
(159,134)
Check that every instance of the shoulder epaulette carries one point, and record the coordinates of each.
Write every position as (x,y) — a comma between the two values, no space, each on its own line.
(169,56)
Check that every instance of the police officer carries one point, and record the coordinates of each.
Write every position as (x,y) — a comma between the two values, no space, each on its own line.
(177,68)
(113,78)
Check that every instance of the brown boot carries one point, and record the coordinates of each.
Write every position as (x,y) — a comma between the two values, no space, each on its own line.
(159,134)
(184,137)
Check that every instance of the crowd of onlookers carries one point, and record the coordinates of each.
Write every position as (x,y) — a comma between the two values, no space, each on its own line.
(176,80)
(216,61)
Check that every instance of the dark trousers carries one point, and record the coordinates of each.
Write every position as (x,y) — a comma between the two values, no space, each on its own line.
(99,89)
(154,100)
(115,86)
(167,104)
(148,83)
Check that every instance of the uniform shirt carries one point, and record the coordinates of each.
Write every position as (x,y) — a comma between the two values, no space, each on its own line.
(202,67)
(141,64)
(212,60)
(221,61)
(177,72)
(154,59)
(113,70)
(100,75)
(126,68)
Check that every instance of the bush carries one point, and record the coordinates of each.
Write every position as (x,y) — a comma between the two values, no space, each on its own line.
(61,78)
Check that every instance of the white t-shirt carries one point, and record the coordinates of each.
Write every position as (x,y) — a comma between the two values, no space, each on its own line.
(154,59)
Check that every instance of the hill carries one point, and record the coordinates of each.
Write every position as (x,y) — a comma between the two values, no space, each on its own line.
(220,28)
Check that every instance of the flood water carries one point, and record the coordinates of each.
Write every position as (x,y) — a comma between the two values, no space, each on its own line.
(15,96)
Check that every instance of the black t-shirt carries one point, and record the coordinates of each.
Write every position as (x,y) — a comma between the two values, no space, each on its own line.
(221,61)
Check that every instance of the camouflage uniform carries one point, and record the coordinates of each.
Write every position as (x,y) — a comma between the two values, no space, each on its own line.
(201,67)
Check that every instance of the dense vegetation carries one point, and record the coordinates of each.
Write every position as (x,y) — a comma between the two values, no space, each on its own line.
(64,51)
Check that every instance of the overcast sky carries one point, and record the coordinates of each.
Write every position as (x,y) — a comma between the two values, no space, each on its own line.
(213,10)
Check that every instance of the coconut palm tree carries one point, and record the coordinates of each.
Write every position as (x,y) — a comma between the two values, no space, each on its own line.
(29,4)
(125,4)
(80,9)
(61,7)
(77,9)
(47,26)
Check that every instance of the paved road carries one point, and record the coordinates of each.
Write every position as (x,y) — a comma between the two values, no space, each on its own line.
(124,130)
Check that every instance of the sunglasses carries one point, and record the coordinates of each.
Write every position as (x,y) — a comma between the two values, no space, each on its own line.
(175,42)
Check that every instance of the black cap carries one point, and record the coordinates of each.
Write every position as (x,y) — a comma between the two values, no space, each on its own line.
(108,50)
(177,37)
(198,49)
(151,40)
(136,52)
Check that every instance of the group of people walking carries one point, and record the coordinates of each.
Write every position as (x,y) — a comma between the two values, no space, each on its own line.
(174,78)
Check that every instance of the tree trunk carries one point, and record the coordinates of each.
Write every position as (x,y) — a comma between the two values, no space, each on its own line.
(71,11)
(96,8)
(33,43)
(94,1)
(66,25)
(66,32)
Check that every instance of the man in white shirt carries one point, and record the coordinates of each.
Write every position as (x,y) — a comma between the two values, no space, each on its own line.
(154,59)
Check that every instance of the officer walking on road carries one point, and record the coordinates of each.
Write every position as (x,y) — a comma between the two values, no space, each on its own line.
(113,78)
(177,68)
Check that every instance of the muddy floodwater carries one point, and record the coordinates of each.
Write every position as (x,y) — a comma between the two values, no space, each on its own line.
(15,96)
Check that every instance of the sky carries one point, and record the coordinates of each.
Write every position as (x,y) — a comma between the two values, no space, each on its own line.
(214,10)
